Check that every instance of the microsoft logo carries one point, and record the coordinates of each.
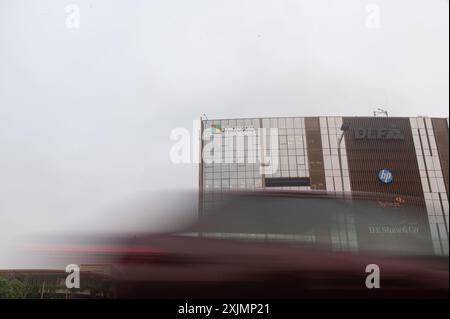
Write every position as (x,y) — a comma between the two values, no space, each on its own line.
(216,129)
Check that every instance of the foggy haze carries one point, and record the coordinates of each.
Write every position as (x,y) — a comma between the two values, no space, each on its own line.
(85,114)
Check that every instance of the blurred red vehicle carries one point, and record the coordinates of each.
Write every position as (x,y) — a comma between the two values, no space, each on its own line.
(272,245)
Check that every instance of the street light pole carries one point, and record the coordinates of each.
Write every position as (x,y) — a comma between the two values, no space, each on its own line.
(344,128)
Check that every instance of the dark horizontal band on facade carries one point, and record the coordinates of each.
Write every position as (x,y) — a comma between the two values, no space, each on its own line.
(287,181)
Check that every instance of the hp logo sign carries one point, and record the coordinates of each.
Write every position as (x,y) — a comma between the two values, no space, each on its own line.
(385,176)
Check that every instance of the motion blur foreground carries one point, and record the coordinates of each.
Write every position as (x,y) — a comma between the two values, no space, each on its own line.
(265,245)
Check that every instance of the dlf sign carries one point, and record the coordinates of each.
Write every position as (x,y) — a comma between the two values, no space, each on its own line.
(378,134)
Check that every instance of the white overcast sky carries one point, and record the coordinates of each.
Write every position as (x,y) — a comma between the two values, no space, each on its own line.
(85,114)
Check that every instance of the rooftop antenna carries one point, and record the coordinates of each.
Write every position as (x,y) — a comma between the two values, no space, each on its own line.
(380,111)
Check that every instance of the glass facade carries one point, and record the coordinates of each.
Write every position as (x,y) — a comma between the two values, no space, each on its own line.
(233,170)
(432,180)
(320,153)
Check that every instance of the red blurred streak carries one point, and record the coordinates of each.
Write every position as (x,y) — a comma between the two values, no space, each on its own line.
(94,249)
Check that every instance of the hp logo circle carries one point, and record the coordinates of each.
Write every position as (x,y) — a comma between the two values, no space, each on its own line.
(385,176)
